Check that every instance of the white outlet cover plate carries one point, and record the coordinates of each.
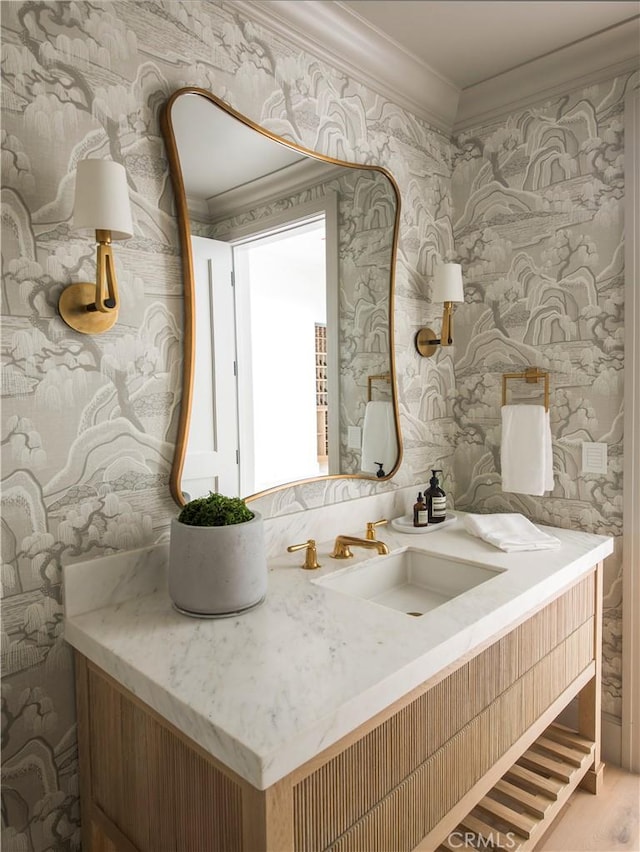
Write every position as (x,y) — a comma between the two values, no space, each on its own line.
(594,457)
(354,437)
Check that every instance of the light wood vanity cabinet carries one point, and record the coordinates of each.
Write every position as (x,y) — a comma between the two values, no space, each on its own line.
(406,779)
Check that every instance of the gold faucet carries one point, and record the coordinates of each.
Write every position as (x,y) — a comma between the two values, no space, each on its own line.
(341,548)
(371,528)
(311,554)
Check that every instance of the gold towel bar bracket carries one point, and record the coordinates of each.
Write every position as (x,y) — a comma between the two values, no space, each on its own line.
(531,375)
(382,377)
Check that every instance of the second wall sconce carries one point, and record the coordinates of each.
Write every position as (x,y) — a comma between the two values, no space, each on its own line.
(101,205)
(447,288)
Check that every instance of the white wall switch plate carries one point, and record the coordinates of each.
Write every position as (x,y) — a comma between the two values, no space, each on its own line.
(594,457)
(354,437)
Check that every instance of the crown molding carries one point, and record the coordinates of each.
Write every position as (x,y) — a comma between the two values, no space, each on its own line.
(283,183)
(605,54)
(198,209)
(346,42)
(295,178)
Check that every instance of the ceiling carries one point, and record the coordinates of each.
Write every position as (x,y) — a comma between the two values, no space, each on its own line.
(470,41)
(207,135)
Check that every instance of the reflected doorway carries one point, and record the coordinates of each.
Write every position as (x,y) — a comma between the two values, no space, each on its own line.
(261,412)
(281,318)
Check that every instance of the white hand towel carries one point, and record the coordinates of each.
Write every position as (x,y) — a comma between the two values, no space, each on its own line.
(510,532)
(378,438)
(526,454)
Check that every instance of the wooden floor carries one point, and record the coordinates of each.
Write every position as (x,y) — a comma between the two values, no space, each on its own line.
(604,823)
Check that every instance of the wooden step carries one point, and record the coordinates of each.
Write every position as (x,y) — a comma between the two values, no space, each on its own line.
(508,815)
(488,835)
(568,737)
(531,781)
(546,765)
(535,805)
(566,753)
(518,809)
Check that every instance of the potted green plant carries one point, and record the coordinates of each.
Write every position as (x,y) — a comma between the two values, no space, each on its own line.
(217,557)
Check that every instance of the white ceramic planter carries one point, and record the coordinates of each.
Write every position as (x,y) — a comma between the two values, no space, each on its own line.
(217,571)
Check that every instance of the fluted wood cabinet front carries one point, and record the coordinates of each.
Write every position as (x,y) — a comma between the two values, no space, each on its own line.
(401,781)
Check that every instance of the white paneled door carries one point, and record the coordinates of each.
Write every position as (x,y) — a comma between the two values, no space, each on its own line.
(212,454)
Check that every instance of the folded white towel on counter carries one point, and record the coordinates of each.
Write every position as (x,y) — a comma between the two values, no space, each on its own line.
(526,454)
(510,532)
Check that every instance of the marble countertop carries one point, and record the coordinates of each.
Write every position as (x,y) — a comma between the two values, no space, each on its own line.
(266,691)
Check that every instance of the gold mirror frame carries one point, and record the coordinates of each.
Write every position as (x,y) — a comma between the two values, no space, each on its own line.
(184,229)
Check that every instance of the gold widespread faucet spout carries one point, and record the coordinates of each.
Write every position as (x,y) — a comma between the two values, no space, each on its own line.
(344,543)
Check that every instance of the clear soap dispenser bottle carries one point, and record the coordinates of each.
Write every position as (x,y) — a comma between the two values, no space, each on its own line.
(436,500)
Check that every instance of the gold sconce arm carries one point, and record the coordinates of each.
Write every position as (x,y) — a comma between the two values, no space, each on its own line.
(446,338)
(426,340)
(93,308)
(106,283)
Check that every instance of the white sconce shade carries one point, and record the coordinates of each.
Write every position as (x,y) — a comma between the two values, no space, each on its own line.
(102,199)
(447,283)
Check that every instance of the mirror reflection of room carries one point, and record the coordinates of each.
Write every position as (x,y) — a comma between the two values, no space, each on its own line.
(284,358)
(278,306)
(285,277)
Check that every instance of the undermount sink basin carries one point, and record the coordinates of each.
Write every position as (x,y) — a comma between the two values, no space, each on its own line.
(410,580)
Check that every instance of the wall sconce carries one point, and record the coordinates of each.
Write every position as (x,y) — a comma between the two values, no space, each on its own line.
(447,288)
(101,205)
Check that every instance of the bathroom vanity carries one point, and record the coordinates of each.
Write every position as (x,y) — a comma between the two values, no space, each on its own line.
(322,720)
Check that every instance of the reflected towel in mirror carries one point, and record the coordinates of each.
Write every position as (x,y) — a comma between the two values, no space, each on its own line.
(526,454)
(378,438)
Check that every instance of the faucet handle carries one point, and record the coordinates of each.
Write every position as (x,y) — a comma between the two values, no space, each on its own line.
(371,528)
(311,555)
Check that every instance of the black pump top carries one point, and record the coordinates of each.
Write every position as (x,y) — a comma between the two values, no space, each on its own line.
(434,479)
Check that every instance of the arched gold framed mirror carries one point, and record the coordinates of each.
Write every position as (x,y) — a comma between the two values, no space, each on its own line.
(289,266)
